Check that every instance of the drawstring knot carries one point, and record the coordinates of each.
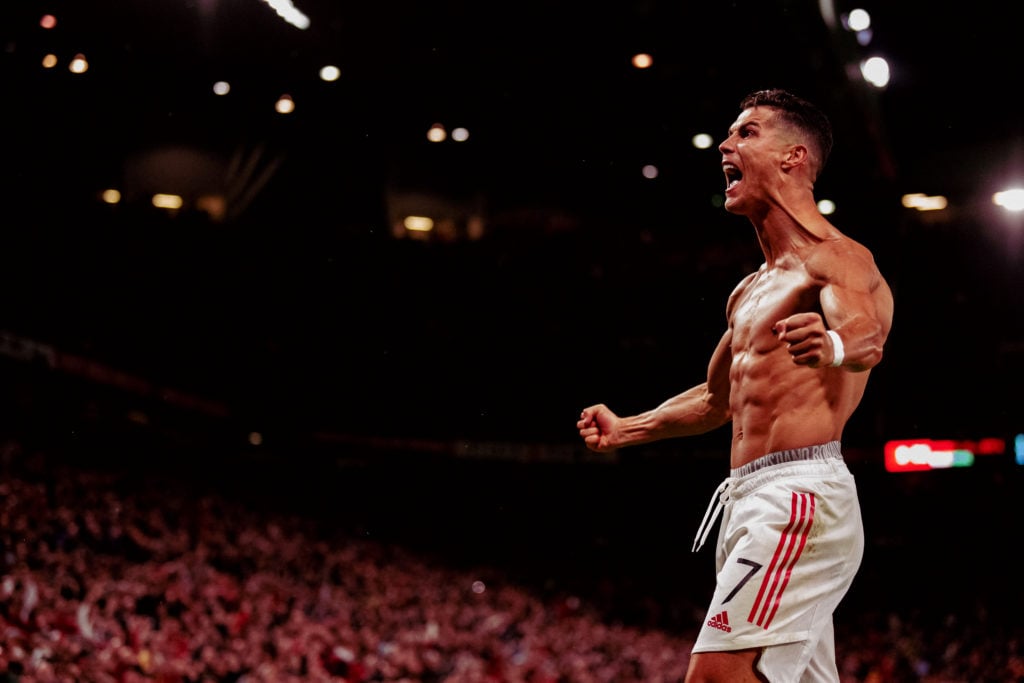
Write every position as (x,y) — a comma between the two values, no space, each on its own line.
(718,500)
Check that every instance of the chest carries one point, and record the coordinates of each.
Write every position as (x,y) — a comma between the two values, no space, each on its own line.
(772,296)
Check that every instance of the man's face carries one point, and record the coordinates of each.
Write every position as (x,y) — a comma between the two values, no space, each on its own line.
(751,156)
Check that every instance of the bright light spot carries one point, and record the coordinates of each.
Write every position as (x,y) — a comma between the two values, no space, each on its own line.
(49,61)
(923,202)
(48,21)
(79,65)
(922,454)
(437,133)
(859,20)
(702,141)
(826,207)
(167,201)
(285,105)
(221,88)
(479,587)
(345,654)
(287,11)
(111,196)
(642,60)
(330,73)
(255,438)
(460,134)
(925,454)
(650,171)
(875,71)
(1011,200)
(418,223)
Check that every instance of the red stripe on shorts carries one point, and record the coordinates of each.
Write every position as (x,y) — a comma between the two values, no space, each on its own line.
(791,545)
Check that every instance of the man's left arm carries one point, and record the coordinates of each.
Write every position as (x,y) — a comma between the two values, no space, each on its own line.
(857,306)
(856,313)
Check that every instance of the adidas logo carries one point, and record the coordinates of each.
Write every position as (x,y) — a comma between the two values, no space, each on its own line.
(721,622)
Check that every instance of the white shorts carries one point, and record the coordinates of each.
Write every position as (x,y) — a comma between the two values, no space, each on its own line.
(790,544)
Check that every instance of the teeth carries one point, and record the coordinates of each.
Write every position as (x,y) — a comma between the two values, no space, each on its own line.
(732,174)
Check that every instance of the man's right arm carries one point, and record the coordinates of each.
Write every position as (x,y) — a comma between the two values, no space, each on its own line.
(695,411)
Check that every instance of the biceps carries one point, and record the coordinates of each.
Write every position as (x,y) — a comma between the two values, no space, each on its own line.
(844,306)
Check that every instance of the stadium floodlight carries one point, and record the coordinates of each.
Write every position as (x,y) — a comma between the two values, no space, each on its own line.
(289,12)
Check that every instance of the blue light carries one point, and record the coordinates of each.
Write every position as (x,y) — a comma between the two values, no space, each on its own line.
(1018,448)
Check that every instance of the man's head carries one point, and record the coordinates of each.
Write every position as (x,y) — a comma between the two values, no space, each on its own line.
(802,115)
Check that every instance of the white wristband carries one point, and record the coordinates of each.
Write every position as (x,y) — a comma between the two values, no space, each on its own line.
(839,353)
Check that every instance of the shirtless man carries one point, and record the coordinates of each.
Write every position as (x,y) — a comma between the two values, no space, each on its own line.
(803,333)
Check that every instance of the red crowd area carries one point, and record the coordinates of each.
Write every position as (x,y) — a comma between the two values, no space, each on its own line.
(113,578)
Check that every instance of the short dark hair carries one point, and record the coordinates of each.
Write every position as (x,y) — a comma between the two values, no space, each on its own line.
(797,112)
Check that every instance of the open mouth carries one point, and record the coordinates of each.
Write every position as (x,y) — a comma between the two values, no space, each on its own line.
(733,175)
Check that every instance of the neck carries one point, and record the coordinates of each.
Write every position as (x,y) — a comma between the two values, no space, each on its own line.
(785,228)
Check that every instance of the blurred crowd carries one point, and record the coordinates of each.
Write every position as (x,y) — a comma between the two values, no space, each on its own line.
(109,577)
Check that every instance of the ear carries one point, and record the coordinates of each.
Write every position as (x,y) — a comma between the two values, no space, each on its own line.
(795,156)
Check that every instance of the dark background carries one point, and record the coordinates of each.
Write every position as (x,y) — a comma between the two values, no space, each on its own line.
(441,379)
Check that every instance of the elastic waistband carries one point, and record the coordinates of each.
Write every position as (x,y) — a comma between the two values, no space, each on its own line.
(821,458)
(826,451)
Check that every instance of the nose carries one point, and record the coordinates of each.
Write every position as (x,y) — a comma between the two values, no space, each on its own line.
(724,146)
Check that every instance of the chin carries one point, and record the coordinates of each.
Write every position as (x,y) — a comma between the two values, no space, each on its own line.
(739,205)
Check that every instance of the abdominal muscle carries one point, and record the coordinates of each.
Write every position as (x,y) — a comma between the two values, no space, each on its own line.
(777,405)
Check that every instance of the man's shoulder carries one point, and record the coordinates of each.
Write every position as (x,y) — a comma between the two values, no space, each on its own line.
(739,290)
(840,249)
(743,284)
(845,261)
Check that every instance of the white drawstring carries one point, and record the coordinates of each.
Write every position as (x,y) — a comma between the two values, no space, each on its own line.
(718,500)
